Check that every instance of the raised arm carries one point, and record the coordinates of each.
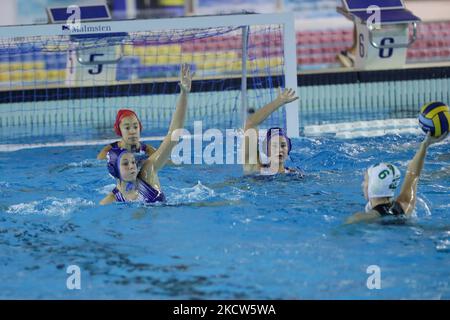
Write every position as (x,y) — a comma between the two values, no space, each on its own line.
(407,197)
(158,159)
(288,95)
(150,150)
(252,123)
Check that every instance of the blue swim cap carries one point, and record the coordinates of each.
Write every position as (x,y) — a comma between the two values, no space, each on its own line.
(113,156)
(276,131)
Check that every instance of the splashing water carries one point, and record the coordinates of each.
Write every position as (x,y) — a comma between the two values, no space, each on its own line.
(237,237)
(51,206)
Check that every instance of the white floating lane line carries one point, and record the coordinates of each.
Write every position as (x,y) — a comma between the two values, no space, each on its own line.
(16,147)
(344,130)
(375,133)
(362,125)
(374,128)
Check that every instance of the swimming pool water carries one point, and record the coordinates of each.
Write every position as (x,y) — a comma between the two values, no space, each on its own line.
(222,236)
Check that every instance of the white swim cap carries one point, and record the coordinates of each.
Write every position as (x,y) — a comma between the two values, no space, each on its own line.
(383,180)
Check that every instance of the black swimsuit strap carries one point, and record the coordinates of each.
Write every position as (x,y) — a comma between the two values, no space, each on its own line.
(390,209)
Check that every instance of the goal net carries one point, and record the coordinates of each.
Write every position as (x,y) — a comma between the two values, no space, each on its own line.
(58,84)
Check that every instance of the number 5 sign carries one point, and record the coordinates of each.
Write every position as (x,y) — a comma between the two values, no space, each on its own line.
(90,65)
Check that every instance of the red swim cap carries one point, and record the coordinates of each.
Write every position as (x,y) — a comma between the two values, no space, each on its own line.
(122,113)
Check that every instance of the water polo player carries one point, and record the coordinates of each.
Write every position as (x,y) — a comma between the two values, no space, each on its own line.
(143,185)
(277,144)
(129,127)
(381,181)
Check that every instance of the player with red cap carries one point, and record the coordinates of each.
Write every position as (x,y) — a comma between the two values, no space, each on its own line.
(141,183)
(129,127)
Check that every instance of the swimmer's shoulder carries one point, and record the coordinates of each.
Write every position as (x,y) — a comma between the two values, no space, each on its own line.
(102,154)
(295,171)
(110,198)
(252,169)
(261,170)
(358,217)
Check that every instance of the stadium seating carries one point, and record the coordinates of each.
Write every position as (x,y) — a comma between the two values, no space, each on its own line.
(316,49)
(432,44)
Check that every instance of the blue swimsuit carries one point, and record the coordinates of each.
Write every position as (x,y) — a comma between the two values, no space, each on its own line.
(146,192)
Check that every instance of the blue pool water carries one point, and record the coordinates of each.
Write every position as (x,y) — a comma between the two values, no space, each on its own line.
(222,236)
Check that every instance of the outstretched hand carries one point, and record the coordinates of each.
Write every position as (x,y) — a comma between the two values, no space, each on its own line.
(288,95)
(429,140)
(185,78)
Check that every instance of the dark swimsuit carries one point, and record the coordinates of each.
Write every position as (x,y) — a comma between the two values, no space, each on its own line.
(143,147)
(147,193)
(389,209)
(296,171)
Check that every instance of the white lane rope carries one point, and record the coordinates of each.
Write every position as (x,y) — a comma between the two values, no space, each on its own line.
(344,130)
